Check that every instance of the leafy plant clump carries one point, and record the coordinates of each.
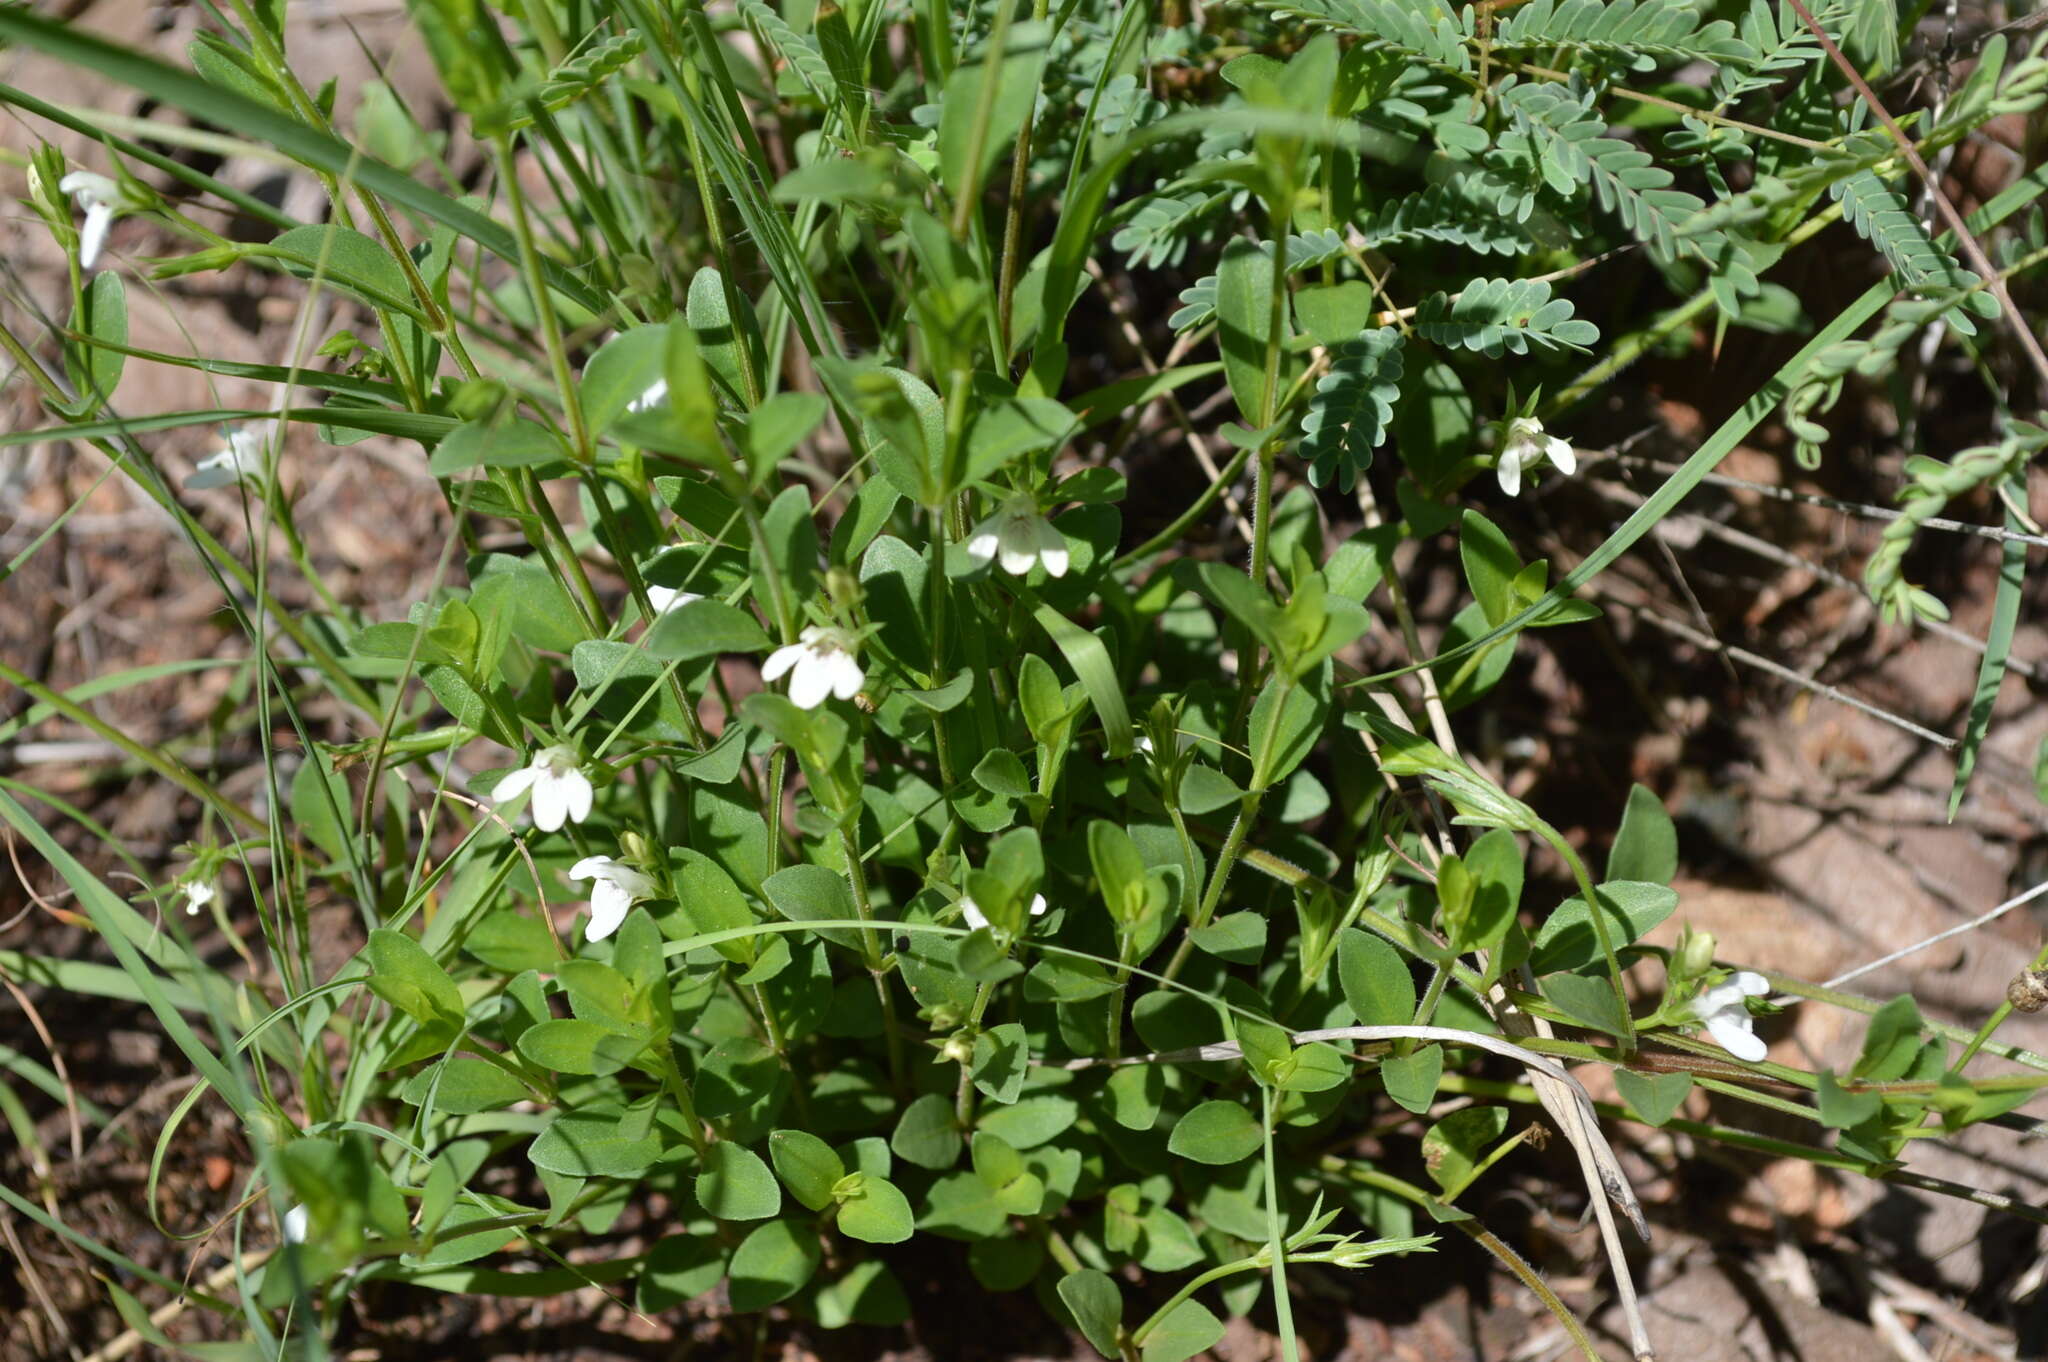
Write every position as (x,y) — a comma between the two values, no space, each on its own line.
(973,849)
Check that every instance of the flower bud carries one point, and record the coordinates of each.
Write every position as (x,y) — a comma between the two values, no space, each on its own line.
(198,262)
(1696,954)
(843,587)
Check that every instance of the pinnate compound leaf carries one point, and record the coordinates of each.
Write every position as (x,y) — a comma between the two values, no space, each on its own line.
(1353,404)
(1503,316)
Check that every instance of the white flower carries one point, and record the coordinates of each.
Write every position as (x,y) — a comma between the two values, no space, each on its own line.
(1727,1020)
(295,1225)
(198,894)
(1021,538)
(239,458)
(1525,447)
(667,598)
(824,665)
(561,792)
(971,914)
(618,887)
(99,197)
(652,396)
(1181,743)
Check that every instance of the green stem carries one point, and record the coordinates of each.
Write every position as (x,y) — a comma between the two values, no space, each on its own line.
(963,1099)
(1177,530)
(984,114)
(1013,219)
(1226,861)
(878,963)
(1995,1020)
(543,302)
(1276,338)
(1276,1240)
(771,809)
(586,598)
(679,1088)
(1598,918)
(1215,1274)
(1528,1276)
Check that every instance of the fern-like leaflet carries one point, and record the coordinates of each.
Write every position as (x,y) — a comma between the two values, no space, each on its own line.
(1496,316)
(1462,211)
(1157,233)
(1881,216)
(802,52)
(574,79)
(1305,251)
(1436,32)
(1569,144)
(1782,44)
(1348,415)
(1641,32)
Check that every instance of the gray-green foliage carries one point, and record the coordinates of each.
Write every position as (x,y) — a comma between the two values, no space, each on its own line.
(968,859)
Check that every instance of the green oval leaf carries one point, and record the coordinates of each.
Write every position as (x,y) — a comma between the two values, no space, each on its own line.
(1216,1132)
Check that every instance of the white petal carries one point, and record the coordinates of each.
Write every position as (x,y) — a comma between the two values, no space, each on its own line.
(812,633)
(1052,546)
(550,801)
(1751,984)
(515,784)
(636,885)
(1563,455)
(782,659)
(667,598)
(295,1225)
(1732,1032)
(98,218)
(89,187)
(577,790)
(592,868)
(812,681)
(1038,905)
(983,543)
(1509,471)
(971,914)
(217,470)
(608,907)
(1018,549)
(847,677)
(1720,998)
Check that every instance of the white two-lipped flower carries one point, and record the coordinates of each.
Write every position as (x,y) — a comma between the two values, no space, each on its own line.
(1020,539)
(1526,446)
(617,888)
(1727,1020)
(561,792)
(971,914)
(240,458)
(98,196)
(199,894)
(667,598)
(295,1225)
(819,663)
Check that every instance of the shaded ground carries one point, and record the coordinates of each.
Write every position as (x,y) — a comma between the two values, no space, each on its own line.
(1816,841)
